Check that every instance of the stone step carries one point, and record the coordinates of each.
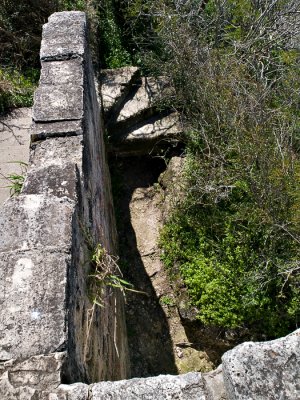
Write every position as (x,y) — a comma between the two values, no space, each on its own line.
(115,85)
(142,137)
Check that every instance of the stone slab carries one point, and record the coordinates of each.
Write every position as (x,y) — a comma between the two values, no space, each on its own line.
(24,379)
(36,222)
(33,311)
(264,370)
(147,137)
(162,387)
(65,72)
(214,384)
(115,83)
(76,391)
(60,92)
(53,129)
(57,180)
(64,36)
(147,95)
(164,127)
(14,147)
(58,151)
(64,102)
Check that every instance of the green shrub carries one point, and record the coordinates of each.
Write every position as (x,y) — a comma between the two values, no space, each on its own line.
(16,89)
(235,236)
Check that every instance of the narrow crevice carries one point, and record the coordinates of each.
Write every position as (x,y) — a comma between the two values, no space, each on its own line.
(150,343)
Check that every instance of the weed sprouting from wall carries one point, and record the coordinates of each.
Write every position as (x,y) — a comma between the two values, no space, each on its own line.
(16,180)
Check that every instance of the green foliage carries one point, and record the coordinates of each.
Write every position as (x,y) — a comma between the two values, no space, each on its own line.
(167,301)
(20,38)
(16,89)
(235,236)
(114,53)
(106,274)
(16,180)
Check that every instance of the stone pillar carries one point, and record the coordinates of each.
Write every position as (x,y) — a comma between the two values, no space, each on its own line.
(49,335)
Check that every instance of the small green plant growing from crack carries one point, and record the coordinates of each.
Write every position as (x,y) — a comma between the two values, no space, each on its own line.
(16,179)
(105,274)
(167,301)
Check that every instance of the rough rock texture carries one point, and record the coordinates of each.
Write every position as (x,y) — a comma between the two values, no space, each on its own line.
(57,89)
(115,85)
(163,387)
(185,387)
(147,93)
(64,36)
(48,233)
(135,123)
(24,379)
(214,385)
(158,342)
(264,371)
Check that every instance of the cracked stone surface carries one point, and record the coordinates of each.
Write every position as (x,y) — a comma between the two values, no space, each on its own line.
(264,371)
(163,387)
(115,85)
(64,36)
(22,380)
(147,94)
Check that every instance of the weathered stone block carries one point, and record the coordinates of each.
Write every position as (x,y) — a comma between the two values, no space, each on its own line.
(115,84)
(147,95)
(188,386)
(64,36)
(143,137)
(57,180)
(58,151)
(264,371)
(33,312)
(36,222)
(43,130)
(214,385)
(76,391)
(23,380)
(63,102)
(164,127)
(65,72)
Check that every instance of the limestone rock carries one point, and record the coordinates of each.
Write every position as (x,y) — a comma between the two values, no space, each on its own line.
(115,85)
(41,131)
(147,94)
(54,167)
(185,387)
(142,138)
(214,384)
(265,370)
(56,151)
(33,302)
(61,88)
(76,391)
(24,379)
(64,36)
(36,222)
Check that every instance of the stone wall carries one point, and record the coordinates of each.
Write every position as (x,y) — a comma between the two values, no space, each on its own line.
(50,331)
(51,336)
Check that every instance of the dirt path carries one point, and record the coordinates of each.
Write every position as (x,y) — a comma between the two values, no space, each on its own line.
(14,146)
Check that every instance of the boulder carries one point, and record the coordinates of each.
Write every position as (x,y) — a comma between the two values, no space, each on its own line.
(264,370)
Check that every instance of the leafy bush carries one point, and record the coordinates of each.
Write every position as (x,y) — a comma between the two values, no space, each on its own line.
(235,236)
(16,89)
